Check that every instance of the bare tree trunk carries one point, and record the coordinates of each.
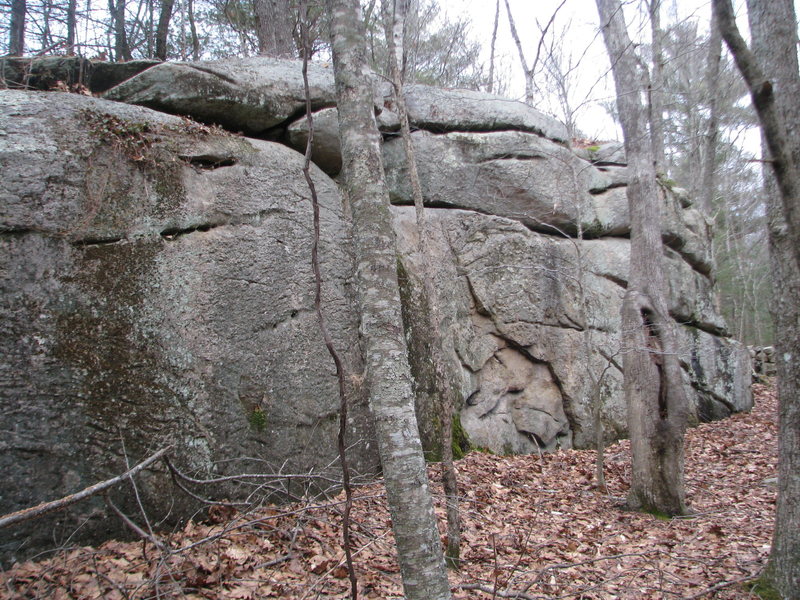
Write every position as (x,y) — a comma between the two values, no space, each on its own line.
(709,168)
(47,39)
(193,30)
(771,74)
(388,376)
(16,33)
(121,50)
(777,130)
(162,29)
(396,11)
(493,44)
(529,72)
(274,27)
(72,26)
(341,374)
(657,410)
(657,87)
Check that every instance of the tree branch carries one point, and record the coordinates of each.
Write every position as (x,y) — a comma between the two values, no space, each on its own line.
(46,507)
(772,125)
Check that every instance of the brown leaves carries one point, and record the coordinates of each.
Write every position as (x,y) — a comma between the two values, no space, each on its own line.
(533,526)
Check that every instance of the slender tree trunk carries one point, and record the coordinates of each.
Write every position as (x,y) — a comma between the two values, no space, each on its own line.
(162,29)
(777,130)
(396,12)
(529,72)
(121,50)
(657,87)
(193,30)
(656,400)
(47,40)
(771,74)
(709,168)
(16,33)
(274,26)
(72,26)
(493,44)
(387,376)
(305,25)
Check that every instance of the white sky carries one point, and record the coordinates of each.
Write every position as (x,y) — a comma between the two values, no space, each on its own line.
(582,36)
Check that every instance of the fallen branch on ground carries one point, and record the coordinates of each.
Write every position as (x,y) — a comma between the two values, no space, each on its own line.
(46,507)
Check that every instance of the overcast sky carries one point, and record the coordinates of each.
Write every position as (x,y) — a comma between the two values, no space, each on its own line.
(583,39)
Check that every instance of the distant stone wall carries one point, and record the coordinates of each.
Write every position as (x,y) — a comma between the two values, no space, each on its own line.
(763,359)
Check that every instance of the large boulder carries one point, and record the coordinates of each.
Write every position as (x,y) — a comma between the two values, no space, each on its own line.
(256,95)
(535,326)
(156,285)
(156,290)
(251,95)
(537,182)
(439,109)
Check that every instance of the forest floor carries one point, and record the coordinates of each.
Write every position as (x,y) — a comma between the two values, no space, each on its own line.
(533,527)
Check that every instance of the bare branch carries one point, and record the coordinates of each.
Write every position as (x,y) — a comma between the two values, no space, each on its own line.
(46,507)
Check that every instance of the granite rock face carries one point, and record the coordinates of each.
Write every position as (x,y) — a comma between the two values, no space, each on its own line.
(157,290)
(535,322)
(157,287)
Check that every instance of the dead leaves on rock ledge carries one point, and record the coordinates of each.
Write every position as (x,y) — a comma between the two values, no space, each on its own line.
(534,527)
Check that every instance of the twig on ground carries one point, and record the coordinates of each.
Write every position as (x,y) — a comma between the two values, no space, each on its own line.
(46,507)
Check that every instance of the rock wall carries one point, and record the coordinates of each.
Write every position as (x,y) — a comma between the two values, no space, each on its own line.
(157,290)
(156,285)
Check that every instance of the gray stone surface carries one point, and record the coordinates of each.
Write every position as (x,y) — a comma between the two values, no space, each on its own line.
(326,152)
(250,95)
(158,294)
(529,344)
(541,184)
(156,285)
(438,109)
(607,153)
(510,173)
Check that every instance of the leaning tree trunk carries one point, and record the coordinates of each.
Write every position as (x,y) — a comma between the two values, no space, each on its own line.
(656,400)
(771,74)
(16,30)
(274,27)
(388,376)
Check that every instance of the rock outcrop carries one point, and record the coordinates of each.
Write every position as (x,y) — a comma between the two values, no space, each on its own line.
(156,285)
(157,291)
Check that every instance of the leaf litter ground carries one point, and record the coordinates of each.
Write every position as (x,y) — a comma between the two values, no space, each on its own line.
(533,527)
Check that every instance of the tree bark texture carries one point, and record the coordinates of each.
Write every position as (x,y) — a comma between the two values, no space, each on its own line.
(491,86)
(657,87)
(396,14)
(72,26)
(772,74)
(777,130)
(162,29)
(121,50)
(529,72)
(193,30)
(657,406)
(387,376)
(708,186)
(274,27)
(16,30)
